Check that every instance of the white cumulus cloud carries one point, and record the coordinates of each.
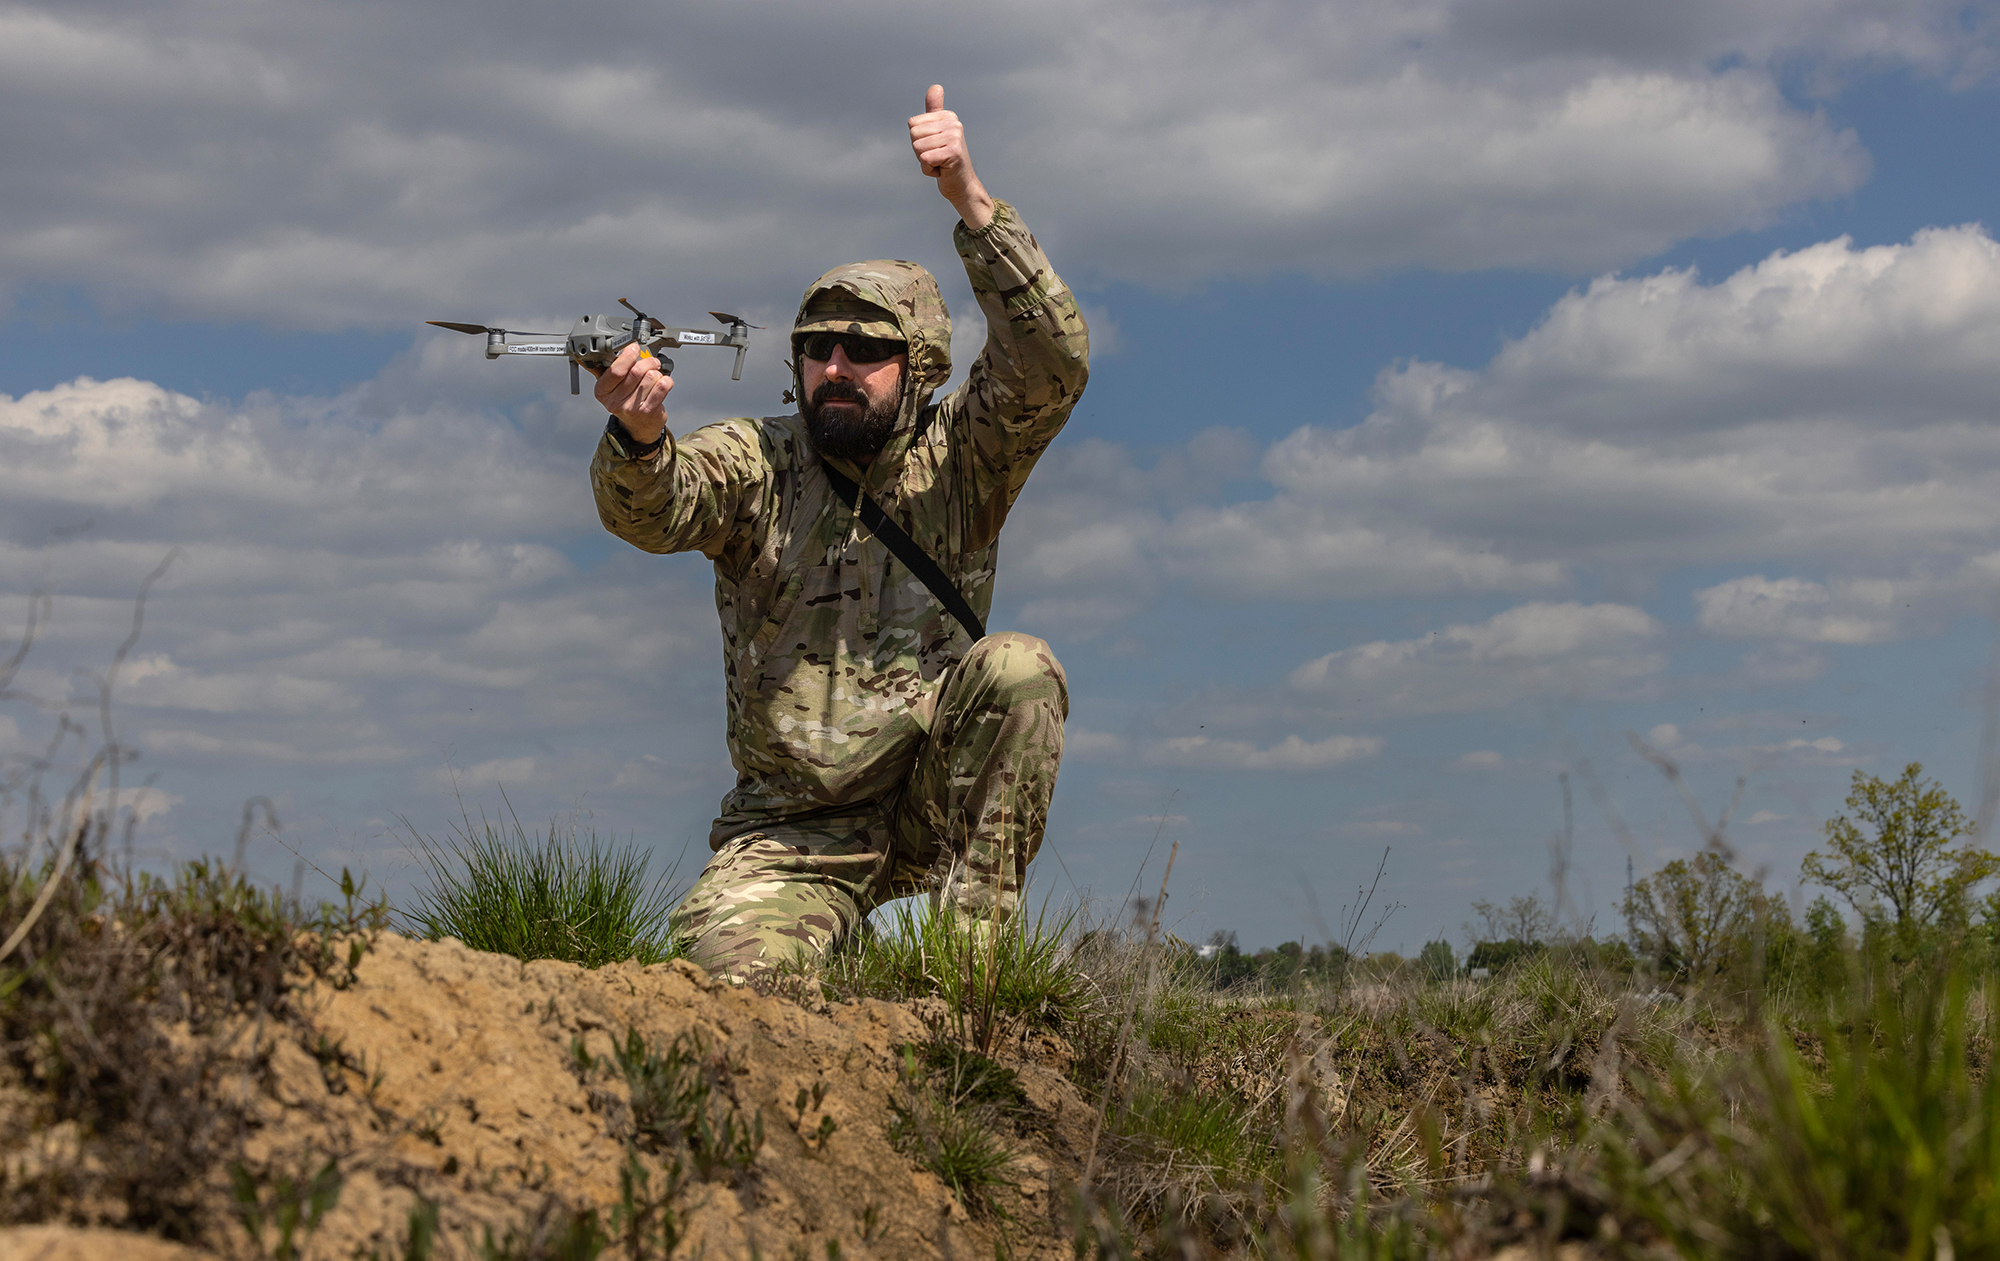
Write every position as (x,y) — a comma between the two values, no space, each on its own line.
(1563,650)
(1293,753)
(1821,419)
(1789,608)
(364,589)
(329,164)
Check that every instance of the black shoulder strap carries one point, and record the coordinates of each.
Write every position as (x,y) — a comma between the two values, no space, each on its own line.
(905,549)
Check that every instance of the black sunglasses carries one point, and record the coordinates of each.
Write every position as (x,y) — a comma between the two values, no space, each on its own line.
(859,349)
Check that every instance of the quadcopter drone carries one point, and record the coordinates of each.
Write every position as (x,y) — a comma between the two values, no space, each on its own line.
(597,339)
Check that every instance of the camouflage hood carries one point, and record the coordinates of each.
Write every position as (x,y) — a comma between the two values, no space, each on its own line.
(884,297)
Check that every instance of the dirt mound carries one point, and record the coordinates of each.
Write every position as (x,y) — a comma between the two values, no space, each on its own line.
(463,1097)
(74,1243)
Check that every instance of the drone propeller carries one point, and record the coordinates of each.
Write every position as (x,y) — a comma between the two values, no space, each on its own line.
(726,318)
(477,329)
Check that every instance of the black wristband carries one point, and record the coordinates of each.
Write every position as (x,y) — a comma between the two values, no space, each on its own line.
(629,447)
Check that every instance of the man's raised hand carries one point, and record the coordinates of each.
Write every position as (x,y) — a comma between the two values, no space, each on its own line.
(635,391)
(938,140)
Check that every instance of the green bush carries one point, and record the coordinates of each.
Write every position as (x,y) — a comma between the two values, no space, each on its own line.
(1499,956)
(549,897)
(1285,967)
(1701,919)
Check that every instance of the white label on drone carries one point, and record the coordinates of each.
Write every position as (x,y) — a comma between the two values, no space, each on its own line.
(538,348)
(697,339)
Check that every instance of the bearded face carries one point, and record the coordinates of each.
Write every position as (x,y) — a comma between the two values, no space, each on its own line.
(846,424)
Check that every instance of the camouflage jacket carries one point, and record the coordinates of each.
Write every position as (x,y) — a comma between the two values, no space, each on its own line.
(832,650)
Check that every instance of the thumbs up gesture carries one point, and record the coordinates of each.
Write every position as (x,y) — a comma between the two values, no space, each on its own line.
(938,140)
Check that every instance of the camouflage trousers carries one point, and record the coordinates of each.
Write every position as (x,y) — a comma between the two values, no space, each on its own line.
(963,826)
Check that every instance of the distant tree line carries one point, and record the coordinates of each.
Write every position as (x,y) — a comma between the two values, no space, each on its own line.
(1274,967)
(1900,859)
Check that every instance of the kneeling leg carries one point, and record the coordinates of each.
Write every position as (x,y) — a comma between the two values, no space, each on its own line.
(978,799)
(783,894)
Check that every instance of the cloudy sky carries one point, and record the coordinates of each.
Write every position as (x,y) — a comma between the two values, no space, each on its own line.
(1477,385)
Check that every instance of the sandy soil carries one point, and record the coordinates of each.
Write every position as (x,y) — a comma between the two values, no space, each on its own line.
(450,1076)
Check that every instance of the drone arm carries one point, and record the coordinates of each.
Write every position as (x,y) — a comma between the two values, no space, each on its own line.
(738,337)
(673,336)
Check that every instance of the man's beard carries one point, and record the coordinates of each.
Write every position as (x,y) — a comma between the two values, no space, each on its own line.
(843,433)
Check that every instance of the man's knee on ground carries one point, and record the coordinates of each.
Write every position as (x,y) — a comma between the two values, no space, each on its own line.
(753,910)
(759,939)
(740,953)
(1016,665)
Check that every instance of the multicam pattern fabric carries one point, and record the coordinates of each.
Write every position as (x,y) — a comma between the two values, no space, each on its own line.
(834,654)
(965,825)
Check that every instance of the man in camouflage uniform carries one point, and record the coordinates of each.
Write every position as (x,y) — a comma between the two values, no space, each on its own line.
(879,750)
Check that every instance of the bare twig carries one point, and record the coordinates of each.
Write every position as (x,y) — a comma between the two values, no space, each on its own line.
(1715,837)
(243,833)
(115,755)
(39,603)
(78,819)
(73,828)
(1125,1028)
(1132,893)
(1351,925)
(1989,744)
(1561,845)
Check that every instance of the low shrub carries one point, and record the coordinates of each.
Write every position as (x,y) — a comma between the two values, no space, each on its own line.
(90,1002)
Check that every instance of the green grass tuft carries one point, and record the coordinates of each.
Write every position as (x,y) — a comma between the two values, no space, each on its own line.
(1205,1129)
(1022,970)
(681,1098)
(1869,1131)
(543,897)
(553,1232)
(939,1124)
(966,1077)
